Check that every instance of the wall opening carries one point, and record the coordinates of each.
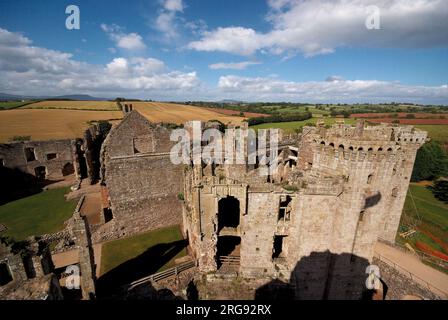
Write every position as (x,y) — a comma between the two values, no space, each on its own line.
(5,274)
(29,267)
(228,213)
(370,179)
(284,211)
(68,169)
(40,173)
(395,192)
(29,154)
(228,251)
(108,216)
(277,250)
(2,163)
(51,156)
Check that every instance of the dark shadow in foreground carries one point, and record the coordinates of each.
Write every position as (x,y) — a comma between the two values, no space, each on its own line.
(141,266)
(322,276)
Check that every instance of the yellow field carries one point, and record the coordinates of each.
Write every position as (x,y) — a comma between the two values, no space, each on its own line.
(79,105)
(178,113)
(49,124)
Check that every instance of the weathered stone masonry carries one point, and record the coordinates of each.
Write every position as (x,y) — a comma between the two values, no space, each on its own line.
(314,222)
(140,184)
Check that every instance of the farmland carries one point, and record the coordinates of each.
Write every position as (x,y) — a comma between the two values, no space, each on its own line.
(5,105)
(49,124)
(75,105)
(293,125)
(178,113)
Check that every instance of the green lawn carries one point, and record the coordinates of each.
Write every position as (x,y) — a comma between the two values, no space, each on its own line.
(291,126)
(38,214)
(13,104)
(116,253)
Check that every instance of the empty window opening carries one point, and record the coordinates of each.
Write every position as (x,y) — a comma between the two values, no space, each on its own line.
(5,274)
(228,213)
(228,251)
(108,216)
(51,156)
(68,169)
(29,267)
(277,248)
(284,212)
(370,179)
(40,172)
(29,154)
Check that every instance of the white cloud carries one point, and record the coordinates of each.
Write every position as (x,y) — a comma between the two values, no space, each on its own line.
(332,90)
(319,27)
(166,21)
(233,65)
(129,41)
(26,69)
(174,5)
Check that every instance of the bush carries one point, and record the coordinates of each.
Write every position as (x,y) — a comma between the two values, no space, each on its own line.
(410,116)
(280,118)
(431,162)
(440,190)
(20,138)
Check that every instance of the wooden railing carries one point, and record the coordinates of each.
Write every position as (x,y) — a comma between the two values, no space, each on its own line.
(230,260)
(420,254)
(172,272)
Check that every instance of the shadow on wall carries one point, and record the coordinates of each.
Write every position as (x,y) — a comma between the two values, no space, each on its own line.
(372,201)
(16,184)
(141,266)
(322,276)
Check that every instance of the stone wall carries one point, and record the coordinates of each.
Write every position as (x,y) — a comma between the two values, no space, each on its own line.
(56,156)
(141,184)
(347,187)
(399,285)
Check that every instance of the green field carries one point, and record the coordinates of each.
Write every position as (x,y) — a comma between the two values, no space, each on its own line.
(293,125)
(4,105)
(438,132)
(38,214)
(428,213)
(117,252)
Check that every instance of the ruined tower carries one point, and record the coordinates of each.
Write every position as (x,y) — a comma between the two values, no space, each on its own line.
(310,227)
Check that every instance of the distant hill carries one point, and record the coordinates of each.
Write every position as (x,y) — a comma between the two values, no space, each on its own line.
(83,97)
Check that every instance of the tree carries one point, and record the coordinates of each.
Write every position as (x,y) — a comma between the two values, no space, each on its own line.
(431,162)
(440,190)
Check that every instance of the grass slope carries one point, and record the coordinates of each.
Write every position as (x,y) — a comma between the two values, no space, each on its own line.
(117,252)
(38,214)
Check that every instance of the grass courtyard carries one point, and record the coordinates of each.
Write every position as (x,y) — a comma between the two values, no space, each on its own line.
(115,253)
(126,260)
(38,214)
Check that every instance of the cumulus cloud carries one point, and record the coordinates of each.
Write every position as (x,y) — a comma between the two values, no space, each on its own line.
(233,65)
(166,20)
(319,27)
(129,41)
(26,69)
(333,90)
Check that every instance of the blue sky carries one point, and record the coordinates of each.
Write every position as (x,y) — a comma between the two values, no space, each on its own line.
(274,50)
